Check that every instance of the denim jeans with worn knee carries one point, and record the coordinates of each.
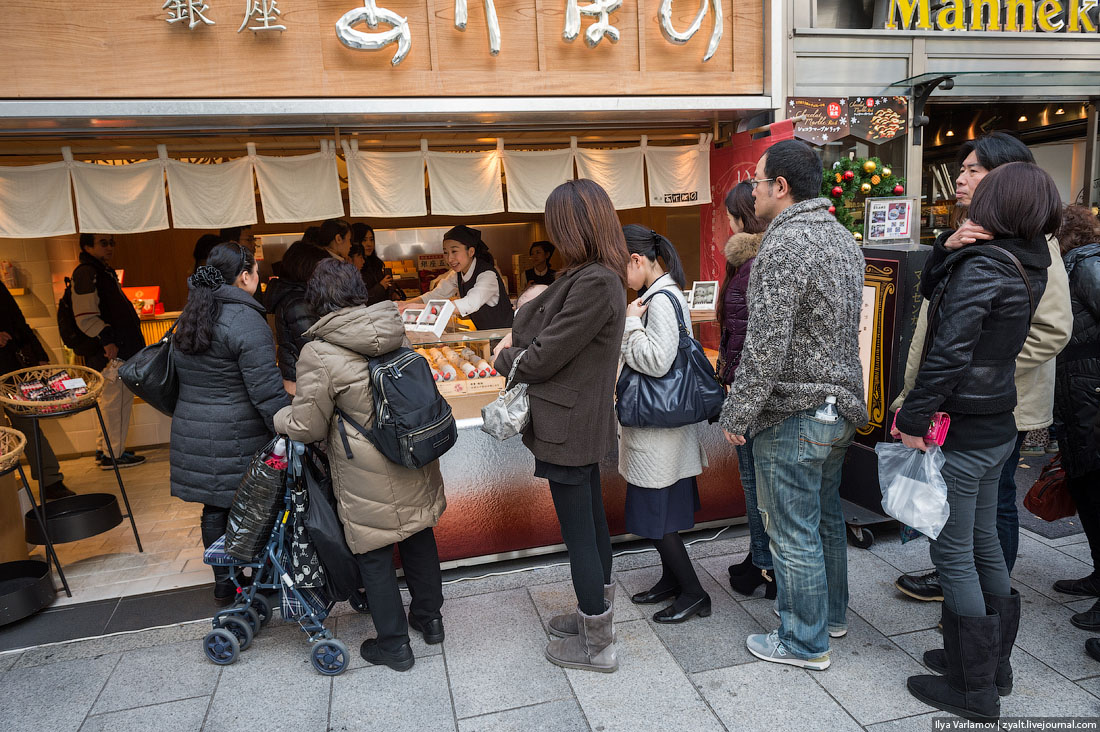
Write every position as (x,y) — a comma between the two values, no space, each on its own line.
(758,537)
(967,552)
(798,466)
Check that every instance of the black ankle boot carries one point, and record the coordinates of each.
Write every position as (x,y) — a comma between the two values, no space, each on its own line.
(746,584)
(972,649)
(1008,608)
(744,568)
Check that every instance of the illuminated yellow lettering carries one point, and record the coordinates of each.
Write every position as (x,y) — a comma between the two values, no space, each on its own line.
(1048,16)
(1078,17)
(906,10)
(957,12)
(976,14)
(1017,20)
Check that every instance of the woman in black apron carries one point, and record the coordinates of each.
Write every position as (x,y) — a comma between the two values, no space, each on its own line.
(482,296)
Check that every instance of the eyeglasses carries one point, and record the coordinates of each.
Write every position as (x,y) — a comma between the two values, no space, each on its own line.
(755,182)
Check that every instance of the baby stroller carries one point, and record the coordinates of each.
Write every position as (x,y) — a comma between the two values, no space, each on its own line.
(272,583)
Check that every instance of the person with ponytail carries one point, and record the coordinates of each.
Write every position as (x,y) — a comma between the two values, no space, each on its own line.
(483,298)
(229,390)
(733,317)
(660,464)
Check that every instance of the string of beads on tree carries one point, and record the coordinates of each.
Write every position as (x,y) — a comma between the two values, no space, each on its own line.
(852,177)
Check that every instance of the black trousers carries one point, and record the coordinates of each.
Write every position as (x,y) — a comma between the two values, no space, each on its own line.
(212,525)
(1085,490)
(420,560)
(578,501)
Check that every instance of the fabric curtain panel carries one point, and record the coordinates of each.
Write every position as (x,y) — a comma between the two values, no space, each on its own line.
(211,196)
(465,184)
(385,184)
(532,175)
(120,199)
(679,176)
(298,188)
(620,172)
(35,200)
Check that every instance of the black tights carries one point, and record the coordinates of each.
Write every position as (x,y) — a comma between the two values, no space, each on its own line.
(677,570)
(212,525)
(1085,490)
(584,530)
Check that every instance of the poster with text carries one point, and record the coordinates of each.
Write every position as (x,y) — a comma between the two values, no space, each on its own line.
(878,119)
(824,118)
(888,220)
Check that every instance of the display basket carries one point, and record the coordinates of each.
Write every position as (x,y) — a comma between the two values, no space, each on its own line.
(12,444)
(16,386)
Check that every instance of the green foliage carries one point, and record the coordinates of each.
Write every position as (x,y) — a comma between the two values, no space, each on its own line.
(851,197)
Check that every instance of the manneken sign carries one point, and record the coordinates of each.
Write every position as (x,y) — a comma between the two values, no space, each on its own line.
(1023,16)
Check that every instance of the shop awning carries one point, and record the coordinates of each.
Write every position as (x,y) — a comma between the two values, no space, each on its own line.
(1082,83)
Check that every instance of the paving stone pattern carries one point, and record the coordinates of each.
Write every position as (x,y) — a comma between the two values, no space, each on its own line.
(490,674)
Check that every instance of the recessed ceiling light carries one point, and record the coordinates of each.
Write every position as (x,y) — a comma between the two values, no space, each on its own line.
(1059,111)
(950,133)
(1023,118)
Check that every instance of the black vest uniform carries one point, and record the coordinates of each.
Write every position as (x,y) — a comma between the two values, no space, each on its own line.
(123,324)
(489,316)
(539,279)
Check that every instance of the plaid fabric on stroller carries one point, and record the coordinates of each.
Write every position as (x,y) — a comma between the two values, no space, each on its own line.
(273,573)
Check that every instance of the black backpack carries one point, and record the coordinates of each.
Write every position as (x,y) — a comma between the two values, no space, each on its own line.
(413,424)
(71,334)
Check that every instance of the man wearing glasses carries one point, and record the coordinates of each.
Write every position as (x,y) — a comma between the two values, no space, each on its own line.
(103,312)
(799,393)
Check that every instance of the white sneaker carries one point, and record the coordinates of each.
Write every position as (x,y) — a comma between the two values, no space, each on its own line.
(832,633)
(769,648)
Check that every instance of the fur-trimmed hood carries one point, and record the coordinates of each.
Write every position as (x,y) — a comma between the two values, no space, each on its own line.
(742,247)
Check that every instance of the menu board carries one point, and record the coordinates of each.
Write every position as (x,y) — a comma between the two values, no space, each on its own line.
(888,219)
(878,119)
(826,118)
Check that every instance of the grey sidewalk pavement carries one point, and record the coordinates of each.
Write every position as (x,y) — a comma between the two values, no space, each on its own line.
(490,674)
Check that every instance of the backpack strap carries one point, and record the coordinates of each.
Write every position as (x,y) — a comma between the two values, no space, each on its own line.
(341,418)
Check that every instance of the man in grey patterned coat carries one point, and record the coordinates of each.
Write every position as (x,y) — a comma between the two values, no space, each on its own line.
(801,351)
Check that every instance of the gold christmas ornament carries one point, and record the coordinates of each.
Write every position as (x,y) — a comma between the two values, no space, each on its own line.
(875,180)
(858,236)
(886,172)
(865,188)
(869,166)
(838,177)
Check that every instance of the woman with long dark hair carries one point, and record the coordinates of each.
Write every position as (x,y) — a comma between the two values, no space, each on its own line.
(229,390)
(379,282)
(733,316)
(568,341)
(285,299)
(982,300)
(660,465)
(483,298)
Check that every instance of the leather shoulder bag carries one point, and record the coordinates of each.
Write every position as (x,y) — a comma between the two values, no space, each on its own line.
(151,374)
(510,413)
(689,393)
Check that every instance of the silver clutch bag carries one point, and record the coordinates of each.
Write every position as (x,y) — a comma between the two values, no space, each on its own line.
(510,412)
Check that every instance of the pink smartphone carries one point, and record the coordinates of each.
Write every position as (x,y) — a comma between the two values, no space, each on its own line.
(937,428)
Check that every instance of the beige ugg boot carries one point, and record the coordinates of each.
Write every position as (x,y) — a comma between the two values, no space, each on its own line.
(567,624)
(592,648)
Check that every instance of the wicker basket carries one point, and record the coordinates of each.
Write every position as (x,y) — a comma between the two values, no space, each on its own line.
(12,443)
(13,400)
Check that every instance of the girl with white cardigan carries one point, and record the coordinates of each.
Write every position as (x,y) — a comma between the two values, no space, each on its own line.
(660,464)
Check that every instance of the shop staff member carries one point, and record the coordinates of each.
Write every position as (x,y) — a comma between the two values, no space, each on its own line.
(335,238)
(540,272)
(102,311)
(482,295)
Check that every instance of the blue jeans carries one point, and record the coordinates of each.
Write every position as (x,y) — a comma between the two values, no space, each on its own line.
(1008,517)
(758,537)
(798,465)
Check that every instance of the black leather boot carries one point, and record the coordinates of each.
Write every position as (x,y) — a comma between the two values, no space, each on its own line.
(972,646)
(1008,608)
(212,527)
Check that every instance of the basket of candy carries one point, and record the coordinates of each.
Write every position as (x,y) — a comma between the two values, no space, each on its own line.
(12,443)
(49,388)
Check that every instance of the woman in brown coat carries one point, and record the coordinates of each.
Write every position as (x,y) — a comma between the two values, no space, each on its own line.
(380,502)
(570,337)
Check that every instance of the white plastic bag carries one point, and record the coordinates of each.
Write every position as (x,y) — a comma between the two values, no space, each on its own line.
(913,489)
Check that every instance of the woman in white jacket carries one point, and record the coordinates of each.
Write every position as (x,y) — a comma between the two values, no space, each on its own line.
(660,464)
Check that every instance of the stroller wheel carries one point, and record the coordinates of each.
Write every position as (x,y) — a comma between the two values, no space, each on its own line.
(330,657)
(253,619)
(239,627)
(221,646)
(262,605)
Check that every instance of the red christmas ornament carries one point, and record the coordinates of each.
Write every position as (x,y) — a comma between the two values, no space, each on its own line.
(837,190)
(832,210)
(848,175)
(898,190)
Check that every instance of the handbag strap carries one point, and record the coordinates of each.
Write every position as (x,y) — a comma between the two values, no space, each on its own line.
(512,371)
(675,304)
(1020,269)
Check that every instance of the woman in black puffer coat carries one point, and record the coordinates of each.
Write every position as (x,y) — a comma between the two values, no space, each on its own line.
(1077,388)
(229,390)
(286,301)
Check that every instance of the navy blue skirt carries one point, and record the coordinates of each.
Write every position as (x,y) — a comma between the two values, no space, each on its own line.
(654,512)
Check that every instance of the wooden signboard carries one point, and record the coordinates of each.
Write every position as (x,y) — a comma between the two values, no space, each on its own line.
(130,49)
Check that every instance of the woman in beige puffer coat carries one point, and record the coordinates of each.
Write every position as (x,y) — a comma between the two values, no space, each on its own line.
(379,502)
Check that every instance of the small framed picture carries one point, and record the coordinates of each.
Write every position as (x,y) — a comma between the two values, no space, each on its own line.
(704,295)
(889,220)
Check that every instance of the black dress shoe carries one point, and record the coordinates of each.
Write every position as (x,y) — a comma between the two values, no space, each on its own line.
(400,660)
(924,587)
(1084,587)
(432,630)
(670,614)
(652,596)
(1089,619)
(1092,647)
(57,490)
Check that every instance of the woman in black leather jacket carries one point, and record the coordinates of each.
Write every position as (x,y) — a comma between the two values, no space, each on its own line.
(982,299)
(286,300)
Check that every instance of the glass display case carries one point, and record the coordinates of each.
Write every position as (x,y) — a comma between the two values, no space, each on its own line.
(462,364)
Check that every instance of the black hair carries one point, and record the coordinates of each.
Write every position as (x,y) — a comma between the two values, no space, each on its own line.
(798,164)
(357,250)
(312,235)
(1017,201)
(994,149)
(359,232)
(544,246)
(331,229)
(648,243)
(335,285)
(231,233)
(195,327)
(203,247)
(87,241)
(299,261)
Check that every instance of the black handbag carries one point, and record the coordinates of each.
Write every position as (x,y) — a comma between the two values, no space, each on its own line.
(326,531)
(689,393)
(151,374)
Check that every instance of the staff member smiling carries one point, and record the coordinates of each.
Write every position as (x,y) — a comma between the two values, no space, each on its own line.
(482,295)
